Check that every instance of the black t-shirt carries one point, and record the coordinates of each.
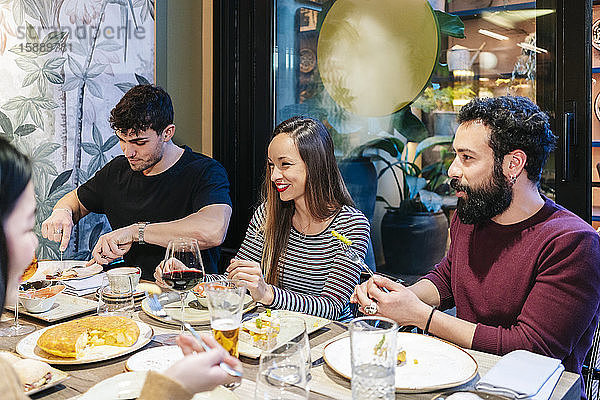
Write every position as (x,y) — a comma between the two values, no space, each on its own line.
(127,197)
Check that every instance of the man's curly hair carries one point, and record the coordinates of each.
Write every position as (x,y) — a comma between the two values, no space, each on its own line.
(142,107)
(515,123)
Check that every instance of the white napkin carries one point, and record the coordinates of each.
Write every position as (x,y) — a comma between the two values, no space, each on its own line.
(81,287)
(522,374)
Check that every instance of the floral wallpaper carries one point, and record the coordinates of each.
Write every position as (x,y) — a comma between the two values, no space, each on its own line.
(64,64)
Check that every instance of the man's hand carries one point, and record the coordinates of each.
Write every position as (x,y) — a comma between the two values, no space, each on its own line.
(400,304)
(58,227)
(172,264)
(249,274)
(113,245)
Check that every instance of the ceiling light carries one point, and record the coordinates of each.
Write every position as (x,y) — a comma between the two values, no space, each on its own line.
(531,47)
(493,34)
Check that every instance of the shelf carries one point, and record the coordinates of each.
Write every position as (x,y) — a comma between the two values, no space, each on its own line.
(508,7)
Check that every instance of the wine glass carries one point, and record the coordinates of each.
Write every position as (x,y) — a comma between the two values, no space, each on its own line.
(16,328)
(182,268)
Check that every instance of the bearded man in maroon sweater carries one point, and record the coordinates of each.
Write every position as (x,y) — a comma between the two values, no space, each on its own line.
(522,271)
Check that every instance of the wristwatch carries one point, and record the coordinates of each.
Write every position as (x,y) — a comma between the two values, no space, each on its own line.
(141,228)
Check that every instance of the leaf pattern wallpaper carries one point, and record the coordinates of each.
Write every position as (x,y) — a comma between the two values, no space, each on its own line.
(64,64)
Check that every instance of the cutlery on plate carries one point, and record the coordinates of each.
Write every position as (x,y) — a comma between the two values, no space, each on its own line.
(158,310)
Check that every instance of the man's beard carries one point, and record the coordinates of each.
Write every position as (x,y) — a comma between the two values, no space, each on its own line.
(483,202)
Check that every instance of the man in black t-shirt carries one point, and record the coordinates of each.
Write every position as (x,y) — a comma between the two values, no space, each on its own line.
(156,192)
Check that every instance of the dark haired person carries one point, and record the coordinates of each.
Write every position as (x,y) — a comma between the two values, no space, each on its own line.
(155,192)
(197,371)
(289,259)
(522,271)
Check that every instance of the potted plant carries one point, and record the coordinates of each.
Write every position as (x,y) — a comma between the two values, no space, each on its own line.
(415,230)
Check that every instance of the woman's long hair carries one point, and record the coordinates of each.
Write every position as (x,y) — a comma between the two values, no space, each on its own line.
(325,191)
(15,174)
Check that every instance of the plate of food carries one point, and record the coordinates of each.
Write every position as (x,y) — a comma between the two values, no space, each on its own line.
(194,312)
(425,363)
(30,270)
(65,306)
(265,330)
(86,340)
(34,375)
(128,385)
(65,270)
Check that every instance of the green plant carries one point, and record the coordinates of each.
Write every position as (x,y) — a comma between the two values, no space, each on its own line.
(435,97)
(420,187)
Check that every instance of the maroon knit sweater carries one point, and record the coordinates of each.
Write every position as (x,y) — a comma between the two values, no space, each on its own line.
(534,285)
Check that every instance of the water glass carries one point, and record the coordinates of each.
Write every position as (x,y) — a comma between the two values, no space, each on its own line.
(282,374)
(373,355)
(111,303)
(225,306)
(293,329)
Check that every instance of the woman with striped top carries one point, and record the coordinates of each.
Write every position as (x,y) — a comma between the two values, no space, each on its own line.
(289,259)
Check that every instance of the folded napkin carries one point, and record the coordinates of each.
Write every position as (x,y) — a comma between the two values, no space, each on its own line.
(82,287)
(522,374)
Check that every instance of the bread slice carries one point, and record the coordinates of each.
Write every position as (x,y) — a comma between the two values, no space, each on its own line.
(71,338)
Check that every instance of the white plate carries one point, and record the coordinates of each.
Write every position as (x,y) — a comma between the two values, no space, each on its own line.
(197,315)
(439,365)
(313,324)
(50,267)
(154,359)
(129,385)
(58,376)
(65,306)
(27,347)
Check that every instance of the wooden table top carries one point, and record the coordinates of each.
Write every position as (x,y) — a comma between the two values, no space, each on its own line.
(325,383)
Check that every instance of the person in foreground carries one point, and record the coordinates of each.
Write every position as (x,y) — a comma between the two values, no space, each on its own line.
(194,373)
(522,271)
(289,259)
(156,192)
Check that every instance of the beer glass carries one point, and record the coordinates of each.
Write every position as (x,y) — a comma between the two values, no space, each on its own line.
(225,306)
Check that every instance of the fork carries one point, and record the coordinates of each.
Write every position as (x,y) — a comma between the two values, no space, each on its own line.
(159,311)
(345,243)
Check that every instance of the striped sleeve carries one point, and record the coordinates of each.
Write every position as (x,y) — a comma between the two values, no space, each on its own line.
(317,277)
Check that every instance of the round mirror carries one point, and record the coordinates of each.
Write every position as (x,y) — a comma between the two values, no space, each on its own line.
(376,56)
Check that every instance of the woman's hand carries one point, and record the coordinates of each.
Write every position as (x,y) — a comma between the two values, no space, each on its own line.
(199,371)
(249,274)
(172,264)
(400,304)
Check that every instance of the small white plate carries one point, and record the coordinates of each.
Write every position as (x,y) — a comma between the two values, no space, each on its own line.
(129,385)
(27,347)
(58,376)
(154,359)
(313,324)
(50,267)
(65,306)
(438,365)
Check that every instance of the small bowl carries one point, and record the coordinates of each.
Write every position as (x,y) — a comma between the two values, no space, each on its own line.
(198,291)
(42,300)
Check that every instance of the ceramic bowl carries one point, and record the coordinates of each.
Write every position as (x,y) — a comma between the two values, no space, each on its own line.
(200,294)
(41,300)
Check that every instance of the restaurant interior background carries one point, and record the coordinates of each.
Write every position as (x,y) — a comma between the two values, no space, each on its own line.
(236,68)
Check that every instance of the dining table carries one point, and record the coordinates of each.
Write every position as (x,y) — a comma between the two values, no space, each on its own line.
(325,383)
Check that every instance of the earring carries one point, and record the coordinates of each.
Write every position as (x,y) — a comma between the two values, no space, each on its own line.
(513,179)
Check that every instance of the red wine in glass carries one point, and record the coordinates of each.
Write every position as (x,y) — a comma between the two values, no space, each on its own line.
(183,280)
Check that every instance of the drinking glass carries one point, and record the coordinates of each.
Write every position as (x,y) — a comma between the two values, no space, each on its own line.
(182,268)
(293,329)
(16,328)
(373,355)
(225,306)
(113,303)
(282,374)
